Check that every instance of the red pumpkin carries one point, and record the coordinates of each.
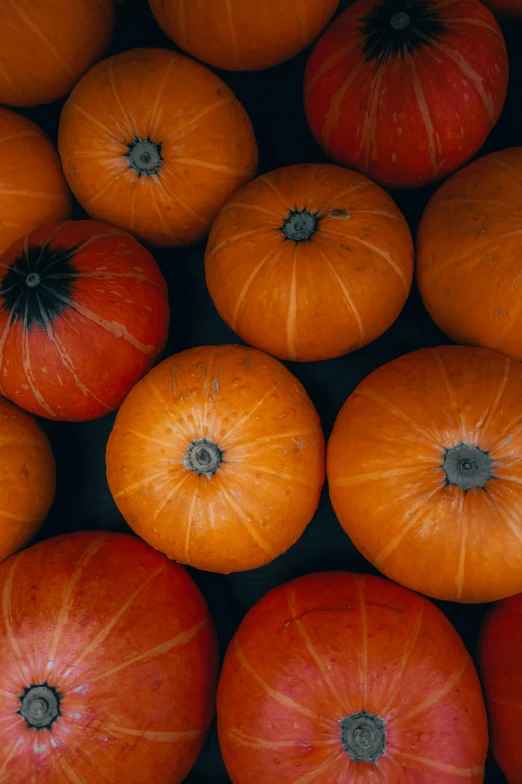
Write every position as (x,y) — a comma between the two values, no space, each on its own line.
(216,458)
(83,315)
(108,664)
(345,678)
(424,468)
(33,190)
(508,8)
(27,478)
(48,45)
(500,655)
(155,143)
(240,36)
(309,262)
(407,90)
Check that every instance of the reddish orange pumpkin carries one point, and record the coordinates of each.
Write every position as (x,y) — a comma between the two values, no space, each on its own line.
(155,143)
(509,8)
(468,254)
(344,678)
(28,478)
(407,90)
(239,36)
(425,472)
(500,654)
(33,190)
(83,315)
(47,46)
(108,664)
(298,259)
(217,458)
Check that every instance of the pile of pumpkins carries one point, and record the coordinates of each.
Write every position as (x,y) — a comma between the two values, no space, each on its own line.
(108,656)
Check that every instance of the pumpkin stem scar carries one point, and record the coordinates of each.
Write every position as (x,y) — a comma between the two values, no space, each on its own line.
(363,736)
(467,466)
(300,225)
(40,706)
(144,157)
(400,21)
(203,457)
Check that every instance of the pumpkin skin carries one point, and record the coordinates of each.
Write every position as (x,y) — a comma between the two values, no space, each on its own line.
(409,104)
(155,143)
(33,190)
(508,8)
(27,478)
(227,34)
(424,467)
(500,657)
(330,659)
(303,243)
(216,458)
(117,639)
(59,40)
(83,315)
(468,254)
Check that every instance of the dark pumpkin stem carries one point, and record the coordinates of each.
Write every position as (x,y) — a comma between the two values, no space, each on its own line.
(363,736)
(203,457)
(400,27)
(300,225)
(467,466)
(40,706)
(144,157)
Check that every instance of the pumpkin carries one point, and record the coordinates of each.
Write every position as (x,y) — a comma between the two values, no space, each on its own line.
(425,472)
(468,254)
(339,677)
(406,90)
(155,143)
(47,46)
(500,657)
(27,478)
(309,262)
(234,35)
(108,663)
(216,458)
(33,190)
(509,8)
(83,315)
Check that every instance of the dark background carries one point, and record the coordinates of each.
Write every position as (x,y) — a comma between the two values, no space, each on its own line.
(273,99)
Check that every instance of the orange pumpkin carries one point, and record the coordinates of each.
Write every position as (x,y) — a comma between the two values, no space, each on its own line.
(238,36)
(33,190)
(407,91)
(155,143)
(339,678)
(217,458)
(28,478)
(425,472)
(500,656)
(47,46)
(83,315)
(108,664)
(309,262)
(508,8)
(468,254)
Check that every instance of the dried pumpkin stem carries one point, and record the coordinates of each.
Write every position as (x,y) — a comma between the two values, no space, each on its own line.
(40,706)
(400,21)
(363,736)
(300,225)
(467,466)
(144,157)
(203,457)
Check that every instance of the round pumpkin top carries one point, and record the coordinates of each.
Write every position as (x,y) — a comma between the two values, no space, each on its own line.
(469,264)
(338,677)
(425,472)
(156,143)
(47,46)
(107,647)
(216,458)
(237,36)
(309,262)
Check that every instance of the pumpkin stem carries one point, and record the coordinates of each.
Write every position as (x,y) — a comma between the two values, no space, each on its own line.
(467,466)
(40,706)
(400,21)
(300,225)
(144,157)
(363,736)
(203,457)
